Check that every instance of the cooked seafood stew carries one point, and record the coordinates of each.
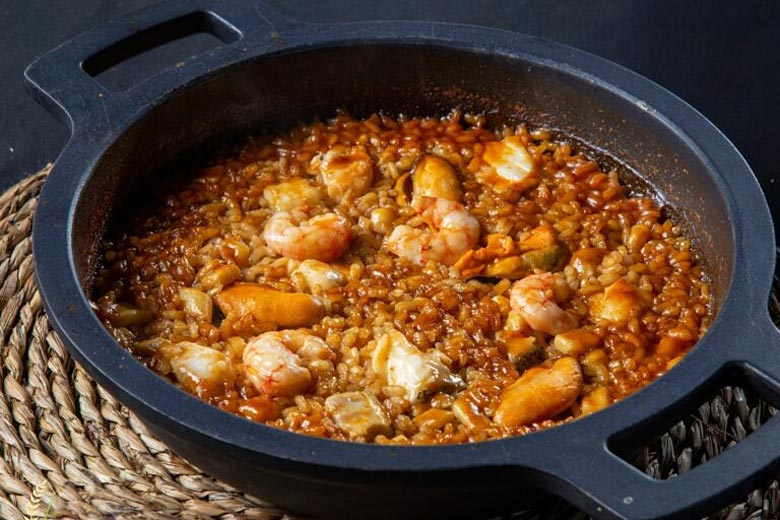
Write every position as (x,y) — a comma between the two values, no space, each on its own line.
(403,280)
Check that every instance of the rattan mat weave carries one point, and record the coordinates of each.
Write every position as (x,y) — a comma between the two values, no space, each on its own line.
(70,450)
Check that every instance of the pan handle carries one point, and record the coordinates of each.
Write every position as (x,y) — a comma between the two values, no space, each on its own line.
(63,79)
(609,487)
(614,489)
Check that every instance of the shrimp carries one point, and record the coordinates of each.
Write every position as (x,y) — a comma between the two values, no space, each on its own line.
(347,172)
(454,232)
(204,371)
(533,298)
(274,361)
(323,237)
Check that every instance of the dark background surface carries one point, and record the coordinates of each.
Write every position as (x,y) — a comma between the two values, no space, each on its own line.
(721,57)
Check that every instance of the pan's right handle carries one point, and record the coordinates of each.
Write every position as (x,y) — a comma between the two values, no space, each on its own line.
(63,80)
(616,489)
(609,487)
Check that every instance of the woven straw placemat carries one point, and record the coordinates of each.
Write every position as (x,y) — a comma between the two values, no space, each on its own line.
(70,450)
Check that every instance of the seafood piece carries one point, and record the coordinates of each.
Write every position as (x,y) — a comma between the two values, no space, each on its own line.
(511,268)
(126,316)
(547,259)
(347,172)
(510,164)
(319,276)
(274,361)
(456,231)
(534,297)
(540,237)
(500,259)
(235,250)
(204,371)
(214,276)
(310,347)
(498,245)
(540,393)
(433,418)
(196,303)
(403,189)
(575,342)
(286,310)
(435,177)
(402,364)
(594,366)
(597,400)
(618,303)
(288,195)
(382,220)
(359,414)
(523,351)
(500,249)
(586,261)
(323,237)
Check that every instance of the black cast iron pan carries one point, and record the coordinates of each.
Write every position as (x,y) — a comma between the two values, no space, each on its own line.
(272,72)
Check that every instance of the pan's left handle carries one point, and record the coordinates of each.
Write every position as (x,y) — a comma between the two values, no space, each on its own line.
(63,80)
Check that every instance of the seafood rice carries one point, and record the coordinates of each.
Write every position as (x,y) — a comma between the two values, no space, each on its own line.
(403,280)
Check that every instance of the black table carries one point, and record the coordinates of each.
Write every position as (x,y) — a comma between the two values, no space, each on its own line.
(722,57)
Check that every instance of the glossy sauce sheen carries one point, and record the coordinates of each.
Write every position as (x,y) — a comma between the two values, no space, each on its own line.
(526,289)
